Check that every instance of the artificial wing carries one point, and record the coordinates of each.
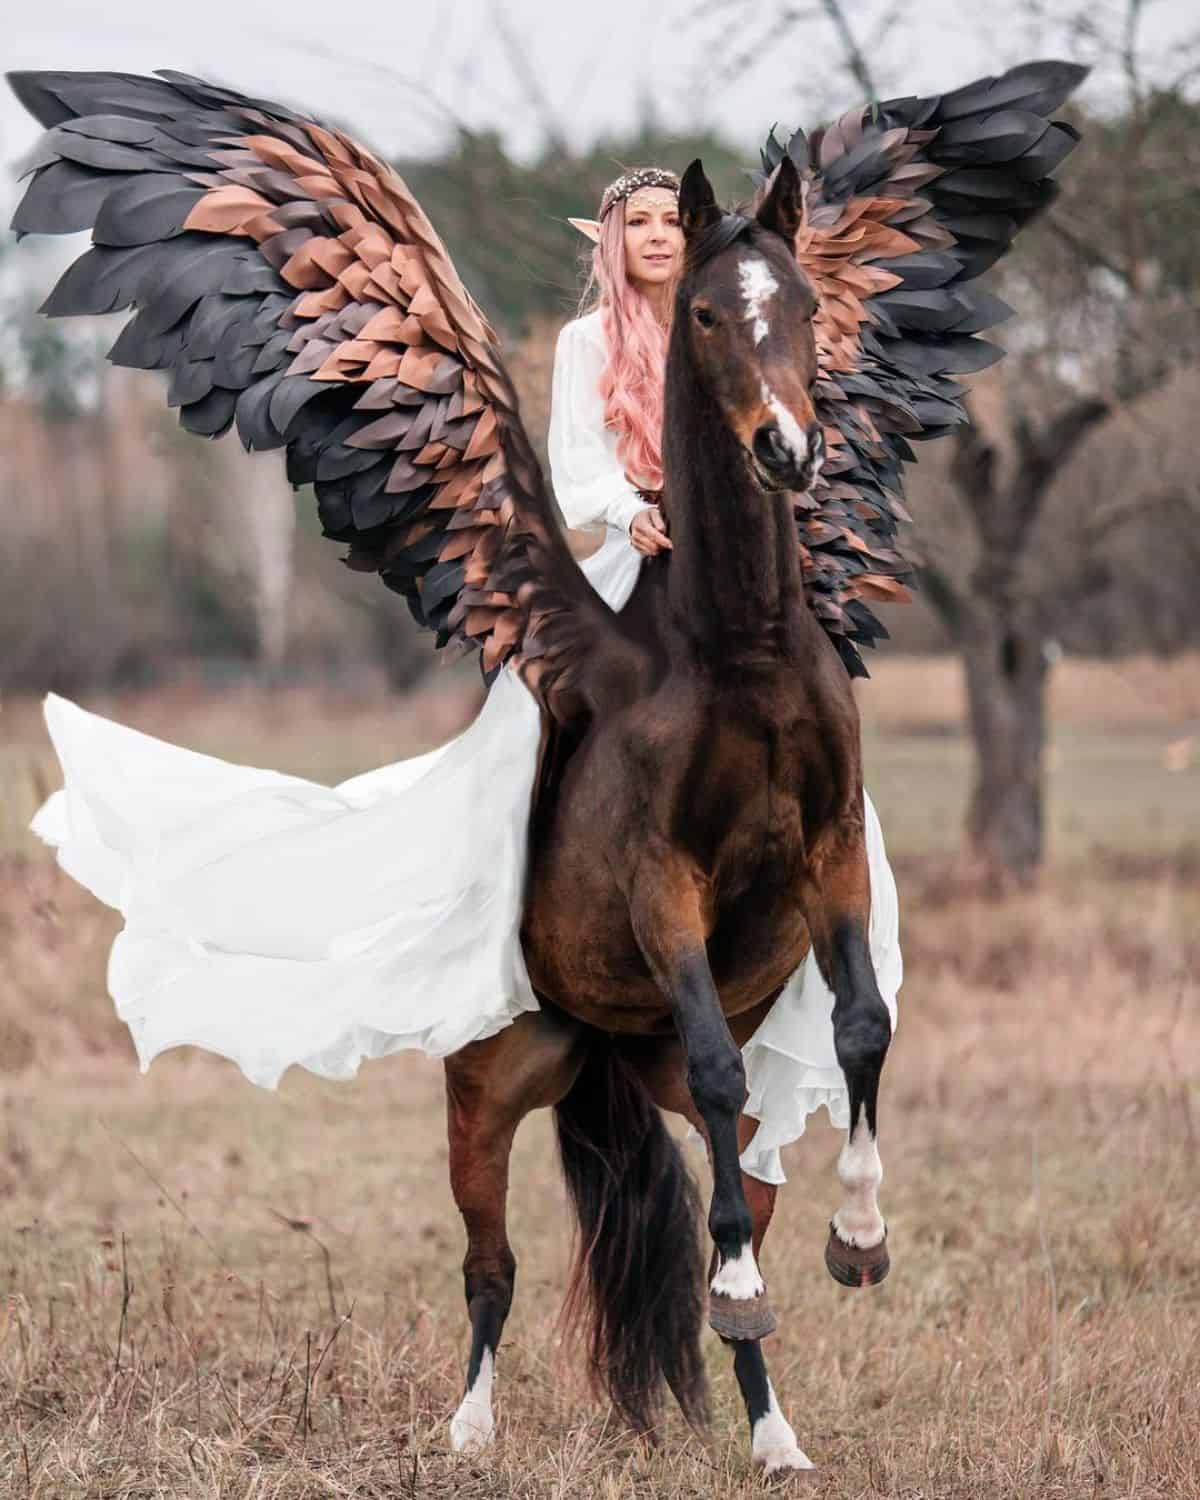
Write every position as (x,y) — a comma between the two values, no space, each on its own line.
(287,282)
(906,203)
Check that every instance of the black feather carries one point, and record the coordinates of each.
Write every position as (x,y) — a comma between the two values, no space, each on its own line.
(212,416)
(63,199)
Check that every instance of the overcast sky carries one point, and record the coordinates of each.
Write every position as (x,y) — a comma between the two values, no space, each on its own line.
(401,73)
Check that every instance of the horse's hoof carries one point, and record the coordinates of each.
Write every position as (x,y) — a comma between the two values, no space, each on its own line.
(851,1266)
(788,1463)
(741,1318)
(471,1432)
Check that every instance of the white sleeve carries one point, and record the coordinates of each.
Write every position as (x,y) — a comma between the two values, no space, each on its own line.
(589,480)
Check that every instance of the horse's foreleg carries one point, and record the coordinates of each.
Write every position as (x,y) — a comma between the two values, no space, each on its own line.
(666,920)
(490,1087)
(839,917)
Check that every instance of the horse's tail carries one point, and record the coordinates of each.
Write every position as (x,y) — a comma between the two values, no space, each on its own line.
(637,1281)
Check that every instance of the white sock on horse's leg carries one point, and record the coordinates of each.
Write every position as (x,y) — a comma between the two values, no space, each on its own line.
(773,1444)
(473,1424)
(739,1277)
(858,1222)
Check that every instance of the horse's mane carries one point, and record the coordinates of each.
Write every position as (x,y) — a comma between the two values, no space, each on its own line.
(718,236)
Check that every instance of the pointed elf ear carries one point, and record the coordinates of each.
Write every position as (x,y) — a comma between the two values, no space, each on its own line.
(698,209)
(782,210)
(589,228)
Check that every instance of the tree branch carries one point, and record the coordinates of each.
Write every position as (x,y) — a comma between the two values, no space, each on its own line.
(1093,575)
(517,52)
(855,61)
(1067,430)
(1121,512)
(1044,450)
(948,603)
(1129,54)
(973,469)
(1091,254)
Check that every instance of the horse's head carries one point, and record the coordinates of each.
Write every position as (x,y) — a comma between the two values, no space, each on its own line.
(747,312)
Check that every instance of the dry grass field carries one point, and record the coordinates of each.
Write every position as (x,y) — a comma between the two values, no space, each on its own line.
(212,1291)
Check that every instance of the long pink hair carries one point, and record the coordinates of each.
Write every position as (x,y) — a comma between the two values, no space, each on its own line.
(631,383)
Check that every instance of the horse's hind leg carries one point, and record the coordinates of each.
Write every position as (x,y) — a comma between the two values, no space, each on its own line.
(490,1087)
(839,912)
(665,908)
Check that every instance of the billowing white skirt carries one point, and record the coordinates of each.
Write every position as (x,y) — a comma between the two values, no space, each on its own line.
(276,921)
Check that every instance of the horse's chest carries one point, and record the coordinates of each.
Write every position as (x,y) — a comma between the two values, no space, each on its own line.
(762,847)
(742,807)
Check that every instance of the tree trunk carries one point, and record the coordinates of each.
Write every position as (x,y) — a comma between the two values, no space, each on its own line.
(1006,673)
(268,505)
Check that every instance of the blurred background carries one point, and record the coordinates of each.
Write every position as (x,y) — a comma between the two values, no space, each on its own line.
(1058,538)
(1032,741)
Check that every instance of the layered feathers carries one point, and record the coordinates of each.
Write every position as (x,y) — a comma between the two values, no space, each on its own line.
(906,204)
(288,283)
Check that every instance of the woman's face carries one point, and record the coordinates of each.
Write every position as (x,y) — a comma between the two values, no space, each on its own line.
(653,237)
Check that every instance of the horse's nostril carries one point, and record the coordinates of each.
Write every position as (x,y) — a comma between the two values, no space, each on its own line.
(816,442)
(770,448)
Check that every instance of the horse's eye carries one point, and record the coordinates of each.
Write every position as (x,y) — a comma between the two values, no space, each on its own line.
(704,317)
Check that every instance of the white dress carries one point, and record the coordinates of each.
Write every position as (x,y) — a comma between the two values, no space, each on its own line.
(277,921)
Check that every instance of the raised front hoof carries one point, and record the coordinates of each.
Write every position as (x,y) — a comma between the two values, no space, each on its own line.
(853,1267)
(741,1318)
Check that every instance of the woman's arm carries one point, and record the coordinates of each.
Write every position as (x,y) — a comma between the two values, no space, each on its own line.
(589,481)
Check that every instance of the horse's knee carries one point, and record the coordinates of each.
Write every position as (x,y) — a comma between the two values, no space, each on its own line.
(862,1034)
(717,1081)
(490,1275)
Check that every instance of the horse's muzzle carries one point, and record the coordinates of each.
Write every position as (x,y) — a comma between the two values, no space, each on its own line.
(787,460)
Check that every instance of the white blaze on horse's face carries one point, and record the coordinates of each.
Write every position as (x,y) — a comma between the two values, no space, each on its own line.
(794,437)
(752,339)
(758,286)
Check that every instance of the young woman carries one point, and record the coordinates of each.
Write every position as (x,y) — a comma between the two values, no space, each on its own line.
(606,464)
(276,921)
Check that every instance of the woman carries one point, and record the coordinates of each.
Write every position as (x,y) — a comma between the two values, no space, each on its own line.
(606,464)
(275,921)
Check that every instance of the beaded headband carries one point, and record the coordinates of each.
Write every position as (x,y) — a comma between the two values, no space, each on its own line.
(624,187)
(631,181)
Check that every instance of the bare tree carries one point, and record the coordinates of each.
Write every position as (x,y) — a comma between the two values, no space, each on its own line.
(1104,320)
(1113,321)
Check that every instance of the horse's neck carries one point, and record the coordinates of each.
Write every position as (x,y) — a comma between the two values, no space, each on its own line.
(734,588)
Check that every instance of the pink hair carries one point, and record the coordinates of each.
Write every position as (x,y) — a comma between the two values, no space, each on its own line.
(631,383)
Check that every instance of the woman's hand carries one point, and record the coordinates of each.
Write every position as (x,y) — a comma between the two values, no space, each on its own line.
(648,532)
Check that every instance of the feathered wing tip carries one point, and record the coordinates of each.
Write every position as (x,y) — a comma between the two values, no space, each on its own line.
(907,203)
(288,283)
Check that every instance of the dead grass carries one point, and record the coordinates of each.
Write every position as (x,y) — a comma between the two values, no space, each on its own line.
(214,1291)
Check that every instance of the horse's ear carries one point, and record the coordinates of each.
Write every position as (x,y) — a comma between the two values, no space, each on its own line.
(782,210)
(697,202)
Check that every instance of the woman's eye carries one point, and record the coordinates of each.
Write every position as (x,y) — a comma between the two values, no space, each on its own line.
(704,317)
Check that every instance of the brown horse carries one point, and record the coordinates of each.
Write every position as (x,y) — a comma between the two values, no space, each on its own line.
(698,820)
(686,849)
